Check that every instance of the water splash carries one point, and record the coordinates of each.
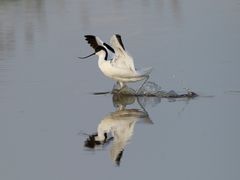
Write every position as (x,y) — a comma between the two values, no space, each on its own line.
(150,88)
(153,89)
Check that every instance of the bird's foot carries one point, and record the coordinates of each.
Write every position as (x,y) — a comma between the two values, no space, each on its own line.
(125,90)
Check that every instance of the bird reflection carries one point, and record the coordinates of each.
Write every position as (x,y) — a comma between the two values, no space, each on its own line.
(117,127)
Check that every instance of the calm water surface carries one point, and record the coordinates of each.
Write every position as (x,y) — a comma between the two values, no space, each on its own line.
(47,106)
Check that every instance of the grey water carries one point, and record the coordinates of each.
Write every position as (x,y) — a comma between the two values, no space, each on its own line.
(48,110)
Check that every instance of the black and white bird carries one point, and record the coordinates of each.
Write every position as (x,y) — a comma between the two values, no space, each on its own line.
(121,67)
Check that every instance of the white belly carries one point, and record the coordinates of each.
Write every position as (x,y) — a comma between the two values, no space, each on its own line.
(119,74)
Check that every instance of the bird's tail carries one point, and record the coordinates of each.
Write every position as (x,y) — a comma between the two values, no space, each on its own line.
(144,71)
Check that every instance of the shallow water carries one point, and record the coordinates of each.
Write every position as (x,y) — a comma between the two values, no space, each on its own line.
(47,105)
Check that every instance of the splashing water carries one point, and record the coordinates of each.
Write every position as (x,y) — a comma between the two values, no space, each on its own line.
(150,88)
(153,89)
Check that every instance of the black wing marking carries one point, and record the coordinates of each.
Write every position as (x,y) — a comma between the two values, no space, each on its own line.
(120,40)
(109,47)
(119,157)
(92,41)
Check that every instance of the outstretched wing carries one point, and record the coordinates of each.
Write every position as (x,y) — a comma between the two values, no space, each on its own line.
(121,59)
(95,41)
(119,40)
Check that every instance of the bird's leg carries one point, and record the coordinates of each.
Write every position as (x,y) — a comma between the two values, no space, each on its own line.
(118,87)
(146,79)
(122,86)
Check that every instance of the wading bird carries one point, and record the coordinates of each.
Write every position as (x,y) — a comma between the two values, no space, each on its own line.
(121,67)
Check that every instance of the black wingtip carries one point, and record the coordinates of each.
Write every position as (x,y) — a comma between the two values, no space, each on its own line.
(89,36)
(120,40)
(92,41)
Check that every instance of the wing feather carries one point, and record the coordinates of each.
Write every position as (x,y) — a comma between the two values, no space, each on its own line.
(122,59)
(95,41)
(120,40)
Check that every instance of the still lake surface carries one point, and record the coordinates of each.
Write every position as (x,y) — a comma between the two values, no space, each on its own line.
(47,105)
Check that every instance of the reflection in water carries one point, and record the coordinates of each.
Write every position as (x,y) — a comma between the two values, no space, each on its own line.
(117,127)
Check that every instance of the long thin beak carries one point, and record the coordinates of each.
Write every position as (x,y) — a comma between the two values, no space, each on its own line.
(87,56)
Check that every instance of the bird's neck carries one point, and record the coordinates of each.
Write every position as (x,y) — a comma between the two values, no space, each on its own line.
(101,59)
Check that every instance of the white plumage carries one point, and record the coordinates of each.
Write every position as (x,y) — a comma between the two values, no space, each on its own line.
(121,68)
